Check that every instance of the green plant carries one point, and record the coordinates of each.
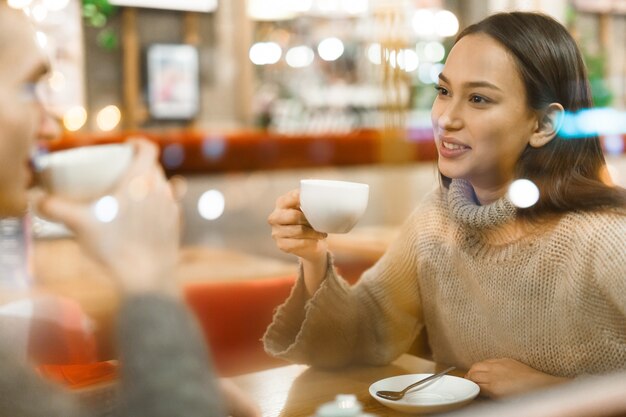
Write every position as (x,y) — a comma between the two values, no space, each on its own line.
(596,63)
(602,95)
(96,14)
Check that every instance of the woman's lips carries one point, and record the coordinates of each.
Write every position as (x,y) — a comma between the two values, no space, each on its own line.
(451,148)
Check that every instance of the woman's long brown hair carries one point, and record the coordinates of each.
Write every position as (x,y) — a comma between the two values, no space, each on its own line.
(567,171)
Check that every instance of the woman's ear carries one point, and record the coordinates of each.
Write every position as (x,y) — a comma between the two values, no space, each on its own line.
(550,121)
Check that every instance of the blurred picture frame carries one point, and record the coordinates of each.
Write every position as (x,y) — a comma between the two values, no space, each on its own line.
(172,81)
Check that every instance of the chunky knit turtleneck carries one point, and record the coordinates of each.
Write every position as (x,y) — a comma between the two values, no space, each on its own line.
(466,211)
(553,298)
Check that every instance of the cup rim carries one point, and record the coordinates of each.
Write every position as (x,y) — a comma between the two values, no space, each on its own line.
(45,160)
(333,183)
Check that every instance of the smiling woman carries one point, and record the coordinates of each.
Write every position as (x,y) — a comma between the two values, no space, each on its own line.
(568,172)
(480,118)
(522,296)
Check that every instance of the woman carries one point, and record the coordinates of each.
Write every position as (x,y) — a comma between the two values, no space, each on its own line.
(522,298)
(165,369)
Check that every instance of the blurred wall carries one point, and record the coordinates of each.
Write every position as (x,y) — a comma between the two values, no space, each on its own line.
(395,190)
(250,197)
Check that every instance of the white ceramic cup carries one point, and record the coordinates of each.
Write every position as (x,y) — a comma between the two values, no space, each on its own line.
(333,206)
(84,173)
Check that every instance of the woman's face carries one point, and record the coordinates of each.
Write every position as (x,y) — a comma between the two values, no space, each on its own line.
(22,117)
(480,117)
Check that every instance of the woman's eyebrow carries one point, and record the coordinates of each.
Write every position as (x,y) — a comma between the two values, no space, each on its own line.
(473,84)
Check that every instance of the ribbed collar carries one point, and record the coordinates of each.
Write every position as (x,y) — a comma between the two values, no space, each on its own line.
(466,210)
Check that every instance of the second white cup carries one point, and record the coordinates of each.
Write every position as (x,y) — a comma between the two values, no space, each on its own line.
(83,173)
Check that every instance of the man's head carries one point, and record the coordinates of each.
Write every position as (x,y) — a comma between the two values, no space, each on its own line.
(22,116)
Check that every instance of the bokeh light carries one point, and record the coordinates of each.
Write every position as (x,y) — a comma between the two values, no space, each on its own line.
(423,22)
(106,209)
(265,53)
(56,81)
(373,54)
(19,4)
(173,155)
(301,6)
(271,10)
(408,60)
(596,121)
(56,5)
(39,14)
(330,49)
(523,193)
(211,205)
(446,23)
(405,59)
(75,118)
(213,147)
(355,7)
(434,51)
(299,56)
(108,118)
(435,70)
(42,39)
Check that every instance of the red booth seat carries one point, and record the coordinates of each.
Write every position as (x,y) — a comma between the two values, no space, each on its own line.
(234,316)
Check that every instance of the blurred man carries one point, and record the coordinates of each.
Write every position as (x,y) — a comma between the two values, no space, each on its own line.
(165,365)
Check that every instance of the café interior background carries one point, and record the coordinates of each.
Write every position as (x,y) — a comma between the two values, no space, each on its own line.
(306,68)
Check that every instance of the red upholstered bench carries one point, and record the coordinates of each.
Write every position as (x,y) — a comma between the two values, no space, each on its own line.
(234,316)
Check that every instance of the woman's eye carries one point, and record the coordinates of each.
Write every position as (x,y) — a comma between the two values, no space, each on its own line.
(442,90)
(478,99)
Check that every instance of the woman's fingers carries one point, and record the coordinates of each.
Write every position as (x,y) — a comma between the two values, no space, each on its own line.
(298,247)
(289,200)
(286,217)
(297,232)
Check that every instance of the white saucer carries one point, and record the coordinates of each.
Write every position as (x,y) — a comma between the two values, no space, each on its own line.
(443,394)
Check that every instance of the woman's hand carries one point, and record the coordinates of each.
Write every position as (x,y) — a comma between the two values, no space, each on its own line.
(236,401)
(139,246)
(501,377)
(293,234)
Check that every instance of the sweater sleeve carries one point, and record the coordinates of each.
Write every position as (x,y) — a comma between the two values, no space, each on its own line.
(166,369)
(23,393)
(608,251)
(373,322)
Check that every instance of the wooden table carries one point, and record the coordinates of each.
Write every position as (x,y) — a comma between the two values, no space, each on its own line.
(297,390)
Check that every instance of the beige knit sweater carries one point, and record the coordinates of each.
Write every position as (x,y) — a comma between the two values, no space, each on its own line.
(554,299)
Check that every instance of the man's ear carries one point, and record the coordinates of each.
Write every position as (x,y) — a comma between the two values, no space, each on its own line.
(550,120)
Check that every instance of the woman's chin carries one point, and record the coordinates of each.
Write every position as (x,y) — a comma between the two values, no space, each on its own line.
(450,173)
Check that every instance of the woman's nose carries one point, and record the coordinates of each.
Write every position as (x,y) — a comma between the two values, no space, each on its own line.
(450,117)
